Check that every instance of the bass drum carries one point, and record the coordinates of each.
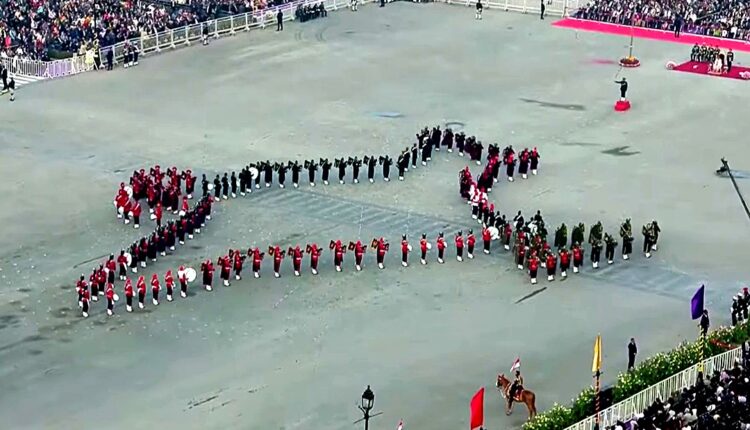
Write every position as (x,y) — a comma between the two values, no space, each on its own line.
(190,274)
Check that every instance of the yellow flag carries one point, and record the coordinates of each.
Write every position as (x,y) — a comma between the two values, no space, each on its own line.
(597,364)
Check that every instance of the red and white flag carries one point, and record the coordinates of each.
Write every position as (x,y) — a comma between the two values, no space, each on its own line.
(400,425)
(516,364)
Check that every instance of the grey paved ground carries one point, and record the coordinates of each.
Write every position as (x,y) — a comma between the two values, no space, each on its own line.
(296,353)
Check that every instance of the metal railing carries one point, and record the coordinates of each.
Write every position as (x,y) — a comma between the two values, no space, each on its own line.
(635,404)
(552,8)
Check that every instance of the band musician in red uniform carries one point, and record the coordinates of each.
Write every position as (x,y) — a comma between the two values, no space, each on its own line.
(314,252)
(405,249)
(296,256)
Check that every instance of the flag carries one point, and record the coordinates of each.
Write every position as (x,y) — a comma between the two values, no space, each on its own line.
(400,425)
(516,364)
(596,366)
(477,409)
(696,304)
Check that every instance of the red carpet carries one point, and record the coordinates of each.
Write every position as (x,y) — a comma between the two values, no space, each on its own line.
(702,69)
(648,33)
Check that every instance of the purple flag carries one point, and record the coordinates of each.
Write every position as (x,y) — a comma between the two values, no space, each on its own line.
(696,304)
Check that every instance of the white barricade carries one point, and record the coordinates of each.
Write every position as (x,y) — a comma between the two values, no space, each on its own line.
(552,8)
(635,404)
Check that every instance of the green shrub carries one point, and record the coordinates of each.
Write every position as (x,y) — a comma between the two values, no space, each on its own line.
(649,372)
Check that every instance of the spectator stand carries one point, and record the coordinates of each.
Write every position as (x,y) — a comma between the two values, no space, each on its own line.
(632,406)
(27,70)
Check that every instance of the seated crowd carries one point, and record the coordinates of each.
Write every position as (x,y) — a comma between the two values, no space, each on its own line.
(308,12)
(31,29)
(719,18)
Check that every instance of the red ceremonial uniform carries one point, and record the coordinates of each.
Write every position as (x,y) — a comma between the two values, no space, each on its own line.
(382,248)
(257,260)
(239,259)
(577,258)
(155,287)
(564,261)
(169,283)
(507,235)
(533,268)
(470,242)
(359,252)
(141,287)
(404,252)
(423,250)
(486,239)
(277,257)
(207,267)
(338,255)
(314,257)
(459,247)
(296,255)
(441,248)
(551,265)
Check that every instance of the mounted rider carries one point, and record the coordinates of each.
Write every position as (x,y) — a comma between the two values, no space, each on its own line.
(515,387)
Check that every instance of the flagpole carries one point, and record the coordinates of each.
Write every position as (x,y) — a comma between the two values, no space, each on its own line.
(597,377)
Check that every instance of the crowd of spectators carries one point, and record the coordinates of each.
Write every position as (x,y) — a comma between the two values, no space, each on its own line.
(719,18)
(40,29)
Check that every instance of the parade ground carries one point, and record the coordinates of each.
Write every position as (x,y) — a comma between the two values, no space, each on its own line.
(296,353)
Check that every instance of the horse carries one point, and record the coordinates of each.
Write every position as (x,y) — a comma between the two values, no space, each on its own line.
(522,395)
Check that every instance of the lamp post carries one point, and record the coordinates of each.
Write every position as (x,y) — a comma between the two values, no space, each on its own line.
(368,401)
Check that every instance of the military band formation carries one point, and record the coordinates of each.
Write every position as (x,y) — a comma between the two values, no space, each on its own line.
(163,192)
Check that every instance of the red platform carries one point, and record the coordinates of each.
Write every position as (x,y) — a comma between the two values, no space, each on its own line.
(650,33)
(622,105)
(702,69)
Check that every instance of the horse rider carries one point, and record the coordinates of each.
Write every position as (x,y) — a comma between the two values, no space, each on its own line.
(516,386)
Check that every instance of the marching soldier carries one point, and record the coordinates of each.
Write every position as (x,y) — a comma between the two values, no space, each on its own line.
(486,239)
(371,163)
(169,283)
(655,230)
(386,162)
(314,252)
(244,180)
(401,165)
(267,168)
(356,164)
(561,236)
(520,250)
(576,236)
(140,286)
(534,157)
(257,260)
(338,254)
(577,258)
(510,165)
(551,266)
(296,168)
(610,244)
(122,263)
(296,255)
(225,264)
(382,247)
(470,243)
(109,293)
(424,246)
(460,246)
(128,295)
(414,155)
(595,240)
(441,247)
(533,267)
(626,233)
(155,287)
(341,165)
(523,163)
(182,278)
(405,249)
(326,166)
(312,168)
(239,260)
(647,231)
(281,169)
(207,267)
(359,252)
(564,262)
(507,233)
(277,255)
(85,297)
(233,183)
(217,188)
(225,186)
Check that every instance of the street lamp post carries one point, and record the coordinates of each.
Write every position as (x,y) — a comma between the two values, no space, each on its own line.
(368,401)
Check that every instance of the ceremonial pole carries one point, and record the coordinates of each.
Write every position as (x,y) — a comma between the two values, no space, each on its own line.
(596,369)
(697,311)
